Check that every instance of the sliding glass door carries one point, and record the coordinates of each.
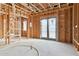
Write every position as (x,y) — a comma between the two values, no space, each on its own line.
(43,28)
(48,28)
(52,28)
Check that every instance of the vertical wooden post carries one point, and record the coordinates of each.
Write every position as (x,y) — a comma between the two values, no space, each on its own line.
(28,27)
(5,27)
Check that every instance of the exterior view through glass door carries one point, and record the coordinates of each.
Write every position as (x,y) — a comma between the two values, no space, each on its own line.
(43,28)
(48,28)
(52,28)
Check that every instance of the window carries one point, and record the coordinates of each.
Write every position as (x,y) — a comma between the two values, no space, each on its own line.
(24,25)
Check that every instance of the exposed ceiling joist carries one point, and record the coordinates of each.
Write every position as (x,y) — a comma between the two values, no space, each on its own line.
(13,10)
(25,5)
(67,3)
(59,5)
(36,7)
(0,7)
(56,3)
(49,5)
(30,8)
(42,6)
(22,8)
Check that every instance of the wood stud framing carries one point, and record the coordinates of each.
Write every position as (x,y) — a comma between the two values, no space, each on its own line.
(28,7)
(36,7)
(28,10)
(42,6)
(32,8)
(50,5)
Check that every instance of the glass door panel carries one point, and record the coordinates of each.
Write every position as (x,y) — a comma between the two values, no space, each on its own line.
(43,28)
(52,28)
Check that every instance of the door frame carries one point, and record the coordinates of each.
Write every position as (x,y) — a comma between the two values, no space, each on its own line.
(48,28)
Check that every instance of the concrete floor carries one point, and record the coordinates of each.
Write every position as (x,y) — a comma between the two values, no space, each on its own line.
(44,47)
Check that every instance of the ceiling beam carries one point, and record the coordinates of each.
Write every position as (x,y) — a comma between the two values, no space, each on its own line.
(25,5)
(67,3)
(19,8)
(36,7)
(13,10)
(0,6)
(49,5)
(59,5)
(42,6)
(22,8)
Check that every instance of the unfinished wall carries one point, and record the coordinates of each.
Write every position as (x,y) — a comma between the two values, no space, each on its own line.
(35,30)
(1,26)
(76,25)
(65,25)
(64,19)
